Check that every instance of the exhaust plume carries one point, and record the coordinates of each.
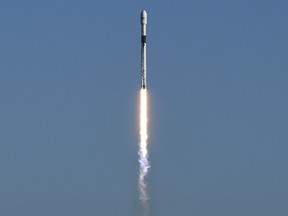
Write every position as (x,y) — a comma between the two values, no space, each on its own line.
(143,152)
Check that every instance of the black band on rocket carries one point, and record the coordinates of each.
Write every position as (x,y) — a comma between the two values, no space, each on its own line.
(143,39)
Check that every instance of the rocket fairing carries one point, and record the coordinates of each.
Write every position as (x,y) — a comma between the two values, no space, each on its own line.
(143,48)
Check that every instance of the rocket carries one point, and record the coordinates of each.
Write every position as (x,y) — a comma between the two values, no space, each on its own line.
(143,19)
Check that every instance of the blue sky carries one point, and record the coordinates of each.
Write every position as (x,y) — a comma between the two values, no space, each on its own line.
(69,87)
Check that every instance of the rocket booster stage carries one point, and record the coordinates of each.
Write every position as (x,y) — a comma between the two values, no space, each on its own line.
(143,48)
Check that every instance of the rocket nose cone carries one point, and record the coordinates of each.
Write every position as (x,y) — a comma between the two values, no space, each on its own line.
(143,13)
(143,17)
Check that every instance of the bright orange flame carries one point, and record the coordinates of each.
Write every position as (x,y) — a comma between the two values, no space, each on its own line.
(143,123)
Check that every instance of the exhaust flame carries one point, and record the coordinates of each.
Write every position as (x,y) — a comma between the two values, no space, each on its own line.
(143,152)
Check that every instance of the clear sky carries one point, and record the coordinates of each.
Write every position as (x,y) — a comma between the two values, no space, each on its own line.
(69,92)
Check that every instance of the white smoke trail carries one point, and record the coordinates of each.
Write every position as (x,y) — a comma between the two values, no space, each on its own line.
(143,152)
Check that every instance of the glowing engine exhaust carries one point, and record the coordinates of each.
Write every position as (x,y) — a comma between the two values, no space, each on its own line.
(143,152)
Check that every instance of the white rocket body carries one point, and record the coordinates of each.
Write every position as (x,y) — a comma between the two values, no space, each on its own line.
(143,48)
